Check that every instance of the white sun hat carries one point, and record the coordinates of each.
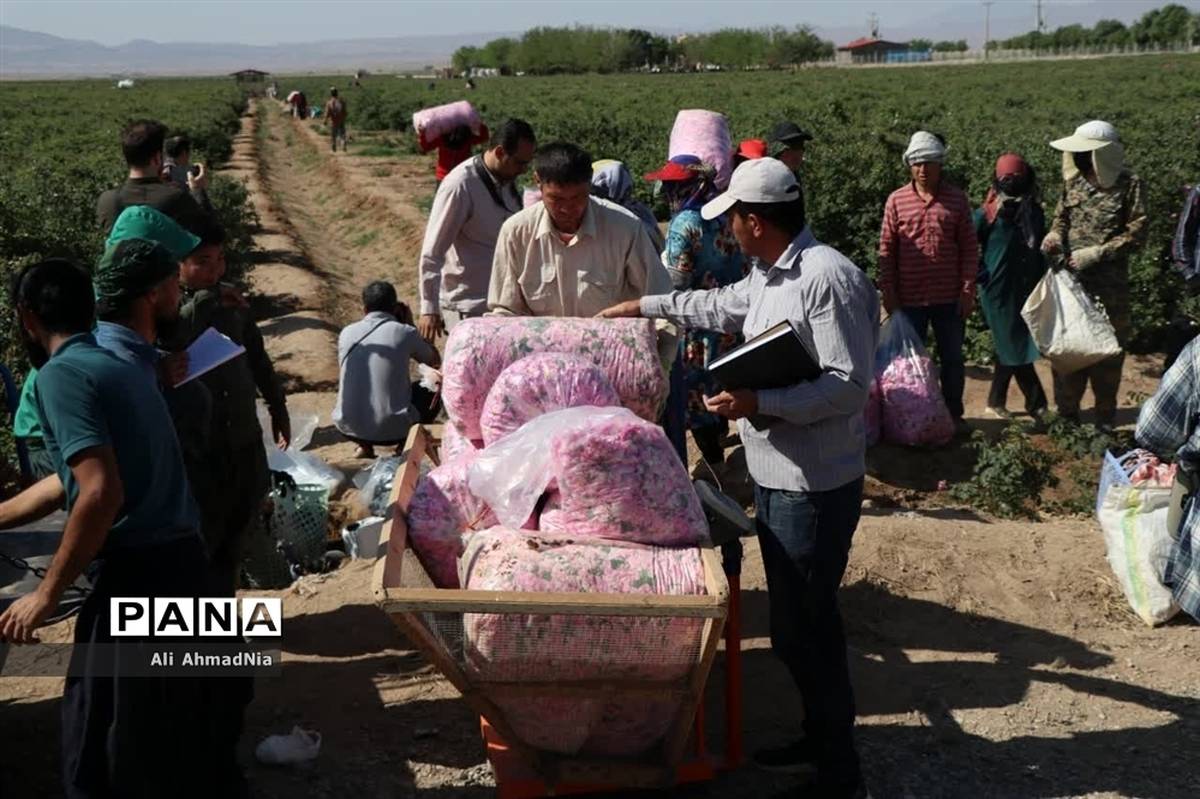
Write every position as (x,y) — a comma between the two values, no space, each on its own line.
(1088,137)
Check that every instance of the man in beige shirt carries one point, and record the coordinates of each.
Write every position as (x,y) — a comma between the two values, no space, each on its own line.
(572,254)
(471,204)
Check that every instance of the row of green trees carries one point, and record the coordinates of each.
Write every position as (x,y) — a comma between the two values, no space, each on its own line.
(549,51)
(1170,25)
(922,45)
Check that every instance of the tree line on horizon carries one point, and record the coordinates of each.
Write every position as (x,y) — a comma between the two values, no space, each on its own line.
(551,51)
(1170,25)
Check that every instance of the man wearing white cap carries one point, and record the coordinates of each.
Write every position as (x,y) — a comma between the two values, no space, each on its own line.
(807,457)
(928,259)
(1099,222)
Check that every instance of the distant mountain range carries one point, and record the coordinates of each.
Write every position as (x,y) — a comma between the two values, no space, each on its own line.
(28,54)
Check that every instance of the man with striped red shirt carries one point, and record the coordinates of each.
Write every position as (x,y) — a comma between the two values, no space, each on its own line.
(928,257)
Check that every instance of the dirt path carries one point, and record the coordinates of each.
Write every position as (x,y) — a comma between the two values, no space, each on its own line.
(990,658)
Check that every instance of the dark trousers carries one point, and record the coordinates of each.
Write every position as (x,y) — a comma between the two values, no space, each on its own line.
(133,737)
(1105,379)
(674,415)
(231,494)
(805,539)
(708,440)
(948,331)
(1027,380)
(41,465)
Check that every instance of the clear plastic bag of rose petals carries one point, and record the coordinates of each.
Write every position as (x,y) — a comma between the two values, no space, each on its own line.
(912,410)
(512,474)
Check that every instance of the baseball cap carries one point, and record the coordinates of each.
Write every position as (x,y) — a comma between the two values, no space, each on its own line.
(145,222)
(681,167)
(752,148)
(763,180)
(790,133)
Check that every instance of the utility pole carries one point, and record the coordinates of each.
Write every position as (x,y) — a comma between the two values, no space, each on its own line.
(873,21)
(1041,22)
(987,27)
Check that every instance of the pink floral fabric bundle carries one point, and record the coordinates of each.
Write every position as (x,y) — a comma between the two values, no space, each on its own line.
(479,350)
(441,513)
(620,479)
(435,122)
(541,383)
(455,443)
(546,648)
(913,411)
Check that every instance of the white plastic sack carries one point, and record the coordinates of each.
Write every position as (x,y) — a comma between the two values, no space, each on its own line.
(374,483)
(1068,328)
(305,468)
(1134,522)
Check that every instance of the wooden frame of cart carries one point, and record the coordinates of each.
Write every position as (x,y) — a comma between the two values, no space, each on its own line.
(403,590)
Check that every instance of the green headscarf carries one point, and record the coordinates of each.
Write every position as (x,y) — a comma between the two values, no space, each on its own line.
(128,269)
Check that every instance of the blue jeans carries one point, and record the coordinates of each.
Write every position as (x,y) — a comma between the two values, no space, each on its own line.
(805,540)
(949,331)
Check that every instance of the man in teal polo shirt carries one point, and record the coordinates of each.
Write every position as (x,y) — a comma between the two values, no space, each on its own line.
(131,524)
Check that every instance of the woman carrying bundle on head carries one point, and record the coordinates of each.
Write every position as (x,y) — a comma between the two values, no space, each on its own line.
(453,147)
(699,254)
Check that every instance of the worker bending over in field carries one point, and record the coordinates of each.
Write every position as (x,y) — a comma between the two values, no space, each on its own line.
(808,457)
(470,206)
(928,259)
(132,525)
(1099,222)
(572,254)
(142,144)
(376,402)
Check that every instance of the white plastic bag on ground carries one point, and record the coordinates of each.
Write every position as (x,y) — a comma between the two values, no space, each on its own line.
(304,467)
(374,483)
(1134,522)
(284,750)
(1068,328)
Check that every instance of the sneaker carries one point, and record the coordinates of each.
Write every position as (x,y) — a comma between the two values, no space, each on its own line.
(997,412)
(797,757)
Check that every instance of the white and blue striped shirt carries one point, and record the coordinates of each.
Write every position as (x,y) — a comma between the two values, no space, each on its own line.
(820,444)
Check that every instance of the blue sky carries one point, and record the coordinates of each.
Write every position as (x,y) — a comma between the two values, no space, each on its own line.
(282,21)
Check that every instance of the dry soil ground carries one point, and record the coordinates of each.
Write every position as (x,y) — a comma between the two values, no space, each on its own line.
(991,658)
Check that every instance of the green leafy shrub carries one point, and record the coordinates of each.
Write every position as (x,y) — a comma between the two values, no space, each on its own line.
(1010,474)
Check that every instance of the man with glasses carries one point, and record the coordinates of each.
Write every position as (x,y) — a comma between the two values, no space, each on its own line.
(471,205)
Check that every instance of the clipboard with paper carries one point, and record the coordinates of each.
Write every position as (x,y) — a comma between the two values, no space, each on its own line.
(210,350)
